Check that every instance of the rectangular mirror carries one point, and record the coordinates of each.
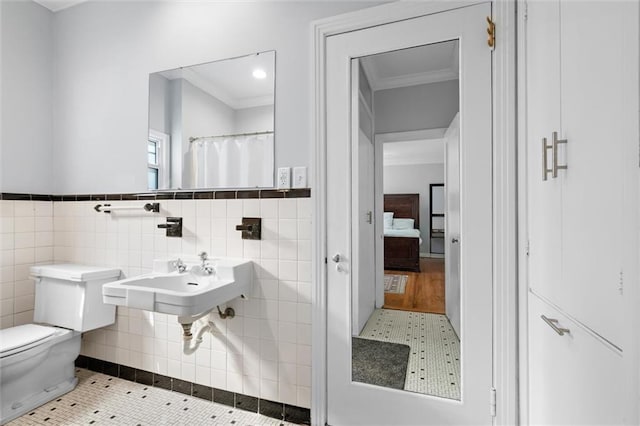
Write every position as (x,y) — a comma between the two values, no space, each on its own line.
(212,125)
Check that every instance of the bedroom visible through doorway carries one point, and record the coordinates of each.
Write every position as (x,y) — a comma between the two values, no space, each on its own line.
(423,291)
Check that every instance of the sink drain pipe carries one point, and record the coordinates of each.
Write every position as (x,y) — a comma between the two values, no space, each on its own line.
(189,344)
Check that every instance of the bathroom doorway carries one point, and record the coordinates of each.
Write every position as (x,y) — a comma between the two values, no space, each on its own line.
(349,400)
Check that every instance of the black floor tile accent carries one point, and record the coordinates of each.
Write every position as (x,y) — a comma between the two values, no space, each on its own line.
(222,396)
(272,409)
(202,392)
(160,381)
(144,377)
(111,369)
(128,373)
(298,415)
(95,365)
(246,402)
(82,361)
(181,386)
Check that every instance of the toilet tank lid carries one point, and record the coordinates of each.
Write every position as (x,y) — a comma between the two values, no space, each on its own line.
(74,272)
(15,337)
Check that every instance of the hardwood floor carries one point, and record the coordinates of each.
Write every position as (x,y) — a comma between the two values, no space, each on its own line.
(424,291)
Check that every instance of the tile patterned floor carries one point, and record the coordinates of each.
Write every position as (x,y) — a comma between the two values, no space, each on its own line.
(434,360)
(100,399)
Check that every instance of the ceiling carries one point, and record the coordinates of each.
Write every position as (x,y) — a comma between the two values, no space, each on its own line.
(231,80)
(56,5)
(431,63)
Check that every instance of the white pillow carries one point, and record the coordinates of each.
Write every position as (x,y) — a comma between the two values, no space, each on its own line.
(388,220)
(403,223)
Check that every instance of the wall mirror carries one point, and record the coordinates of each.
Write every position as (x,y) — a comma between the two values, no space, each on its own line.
(212,125)
(406,305)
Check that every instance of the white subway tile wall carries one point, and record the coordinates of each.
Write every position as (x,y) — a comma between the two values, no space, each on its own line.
(265,351)
(26,239)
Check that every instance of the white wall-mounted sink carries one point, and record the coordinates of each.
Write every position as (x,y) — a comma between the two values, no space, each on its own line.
(184,294)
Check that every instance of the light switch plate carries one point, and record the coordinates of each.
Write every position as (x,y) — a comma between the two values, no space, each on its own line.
(284,178)
(299,177)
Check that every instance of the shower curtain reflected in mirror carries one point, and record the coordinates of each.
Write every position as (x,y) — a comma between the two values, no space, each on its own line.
(243,161)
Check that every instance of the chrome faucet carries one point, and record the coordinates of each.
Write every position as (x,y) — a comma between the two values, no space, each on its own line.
(180,266)
(206,268)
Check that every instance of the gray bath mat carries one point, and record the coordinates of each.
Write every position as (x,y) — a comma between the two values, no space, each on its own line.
(379,363)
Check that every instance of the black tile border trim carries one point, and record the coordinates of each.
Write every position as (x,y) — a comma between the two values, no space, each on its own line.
(276,410)
(161,195)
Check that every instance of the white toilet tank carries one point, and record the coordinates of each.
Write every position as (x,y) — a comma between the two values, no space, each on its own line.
(70,296)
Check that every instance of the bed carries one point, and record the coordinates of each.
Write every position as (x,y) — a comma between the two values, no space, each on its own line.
(402,247)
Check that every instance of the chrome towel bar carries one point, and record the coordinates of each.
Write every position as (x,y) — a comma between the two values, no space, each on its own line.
(108,208)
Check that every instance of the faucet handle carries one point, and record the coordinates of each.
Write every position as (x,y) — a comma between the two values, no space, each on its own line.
(203,256)
(179,265)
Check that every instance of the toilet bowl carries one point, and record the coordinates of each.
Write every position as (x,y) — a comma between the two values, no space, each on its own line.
(37,360)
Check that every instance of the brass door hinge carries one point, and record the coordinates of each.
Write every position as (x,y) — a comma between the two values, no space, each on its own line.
(491,31)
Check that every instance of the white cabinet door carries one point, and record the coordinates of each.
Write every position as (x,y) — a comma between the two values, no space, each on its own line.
(577,81)
(543,113)
(574,379)
(594,85)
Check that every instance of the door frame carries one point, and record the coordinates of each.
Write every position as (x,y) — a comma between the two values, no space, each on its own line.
(505,242)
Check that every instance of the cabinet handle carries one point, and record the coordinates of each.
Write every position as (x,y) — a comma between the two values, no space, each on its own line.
(552,323)
(545,169)
(555,143)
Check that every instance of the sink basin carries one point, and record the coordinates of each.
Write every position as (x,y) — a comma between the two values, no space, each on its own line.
(188,293)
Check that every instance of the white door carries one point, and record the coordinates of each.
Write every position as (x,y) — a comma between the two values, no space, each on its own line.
(452,223)
(364,279)
(351,403)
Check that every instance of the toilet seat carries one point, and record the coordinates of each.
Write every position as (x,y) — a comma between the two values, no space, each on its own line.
(24,337)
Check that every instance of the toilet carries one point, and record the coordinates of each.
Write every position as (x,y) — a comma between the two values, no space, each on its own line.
(37,360)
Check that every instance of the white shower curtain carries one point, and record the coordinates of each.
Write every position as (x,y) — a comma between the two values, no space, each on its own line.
(233,162)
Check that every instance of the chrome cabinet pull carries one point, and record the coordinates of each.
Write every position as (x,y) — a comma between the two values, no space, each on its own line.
(555,142)
(553,324)
(336,258)
(545,160)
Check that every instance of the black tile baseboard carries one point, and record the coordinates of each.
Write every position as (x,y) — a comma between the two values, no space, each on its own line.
(165,195)
(276,410)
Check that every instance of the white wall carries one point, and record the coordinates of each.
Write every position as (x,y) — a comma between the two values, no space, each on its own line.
(26,87)
(159,104)
(26,239)
(264,351)
(105,52)
(415,179)
(255,119)
(425,106)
